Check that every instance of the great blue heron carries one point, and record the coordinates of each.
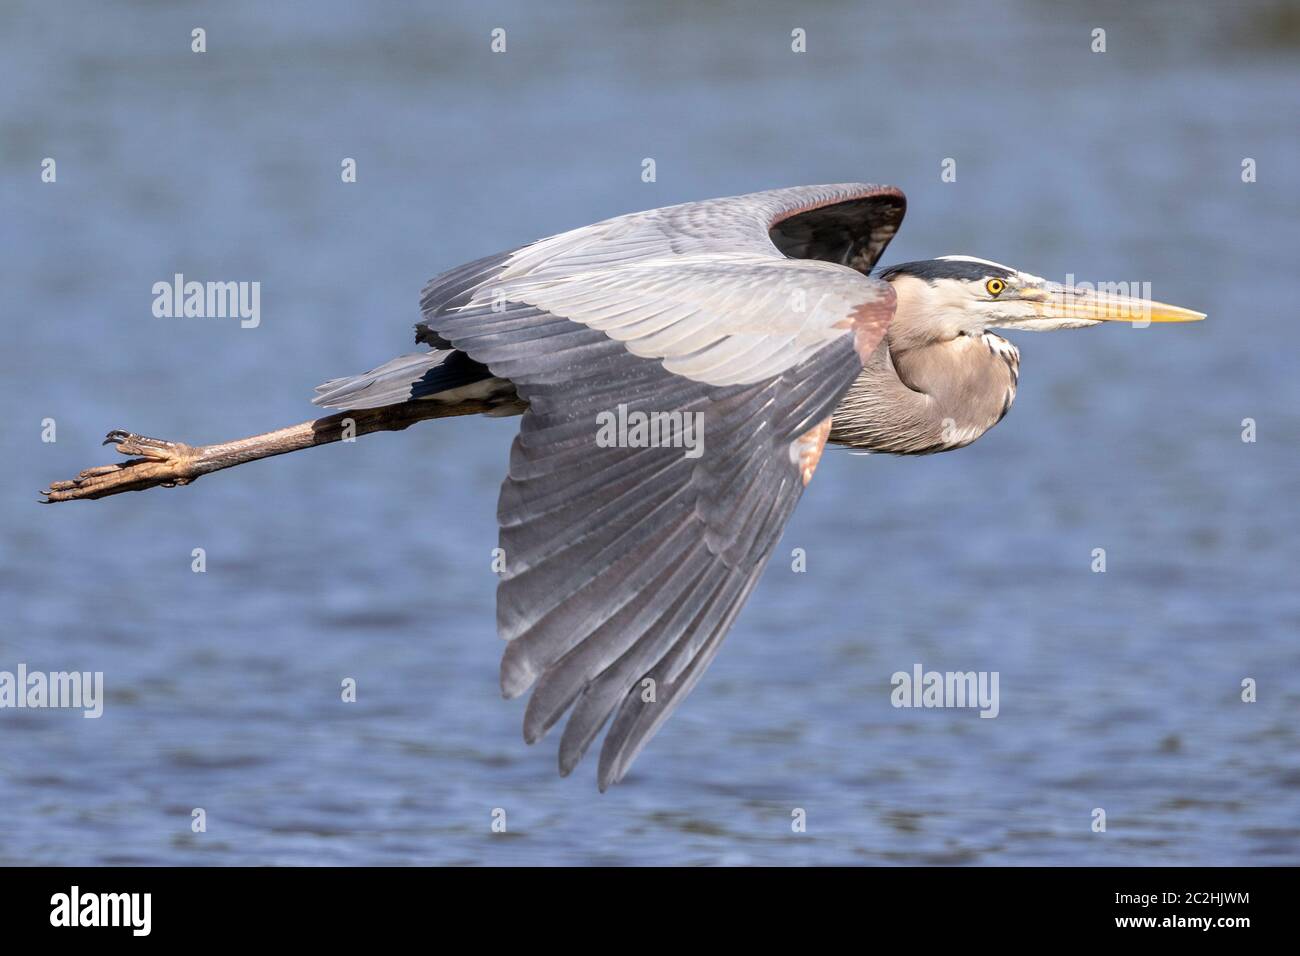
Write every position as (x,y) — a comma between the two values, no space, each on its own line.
(679,372)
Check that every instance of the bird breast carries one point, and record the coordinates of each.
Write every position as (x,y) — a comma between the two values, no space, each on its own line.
(929,398)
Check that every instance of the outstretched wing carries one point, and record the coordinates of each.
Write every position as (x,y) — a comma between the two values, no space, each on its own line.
(680,372)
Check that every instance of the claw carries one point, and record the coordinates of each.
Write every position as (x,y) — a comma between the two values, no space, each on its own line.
(160,462)
(156,449)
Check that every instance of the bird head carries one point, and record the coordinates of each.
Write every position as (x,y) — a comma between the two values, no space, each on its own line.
(942,298)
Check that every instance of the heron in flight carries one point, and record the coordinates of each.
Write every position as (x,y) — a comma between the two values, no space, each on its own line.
(724,342)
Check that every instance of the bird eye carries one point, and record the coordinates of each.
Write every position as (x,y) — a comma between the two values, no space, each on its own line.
(995,286)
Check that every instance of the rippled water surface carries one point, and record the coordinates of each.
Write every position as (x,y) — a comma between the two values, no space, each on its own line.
(371,560)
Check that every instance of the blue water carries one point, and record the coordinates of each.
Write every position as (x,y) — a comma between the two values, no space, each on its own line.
(371,560)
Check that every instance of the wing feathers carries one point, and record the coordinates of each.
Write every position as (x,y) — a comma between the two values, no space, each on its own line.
(628,560)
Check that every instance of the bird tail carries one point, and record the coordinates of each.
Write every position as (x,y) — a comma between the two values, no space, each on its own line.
(407,377)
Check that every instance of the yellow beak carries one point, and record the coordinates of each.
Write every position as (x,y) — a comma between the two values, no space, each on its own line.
(1108,305)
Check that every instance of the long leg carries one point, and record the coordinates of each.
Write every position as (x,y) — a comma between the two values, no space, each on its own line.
(168,463)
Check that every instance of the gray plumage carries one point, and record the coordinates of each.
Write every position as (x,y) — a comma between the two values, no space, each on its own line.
(411,376)
(729,340)
(627,563)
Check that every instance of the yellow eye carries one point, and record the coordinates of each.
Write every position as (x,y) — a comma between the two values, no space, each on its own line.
(995,286)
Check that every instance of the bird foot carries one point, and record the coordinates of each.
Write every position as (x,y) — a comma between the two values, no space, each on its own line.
(160,462)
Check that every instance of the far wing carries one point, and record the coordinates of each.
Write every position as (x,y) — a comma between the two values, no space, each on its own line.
(846,224)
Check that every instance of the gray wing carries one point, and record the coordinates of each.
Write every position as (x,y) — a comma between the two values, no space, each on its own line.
(627,562)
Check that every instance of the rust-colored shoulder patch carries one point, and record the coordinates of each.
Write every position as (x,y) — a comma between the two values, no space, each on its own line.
(806,450)
(869,320)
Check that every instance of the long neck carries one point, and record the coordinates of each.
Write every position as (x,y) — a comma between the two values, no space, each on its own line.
(928,398)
